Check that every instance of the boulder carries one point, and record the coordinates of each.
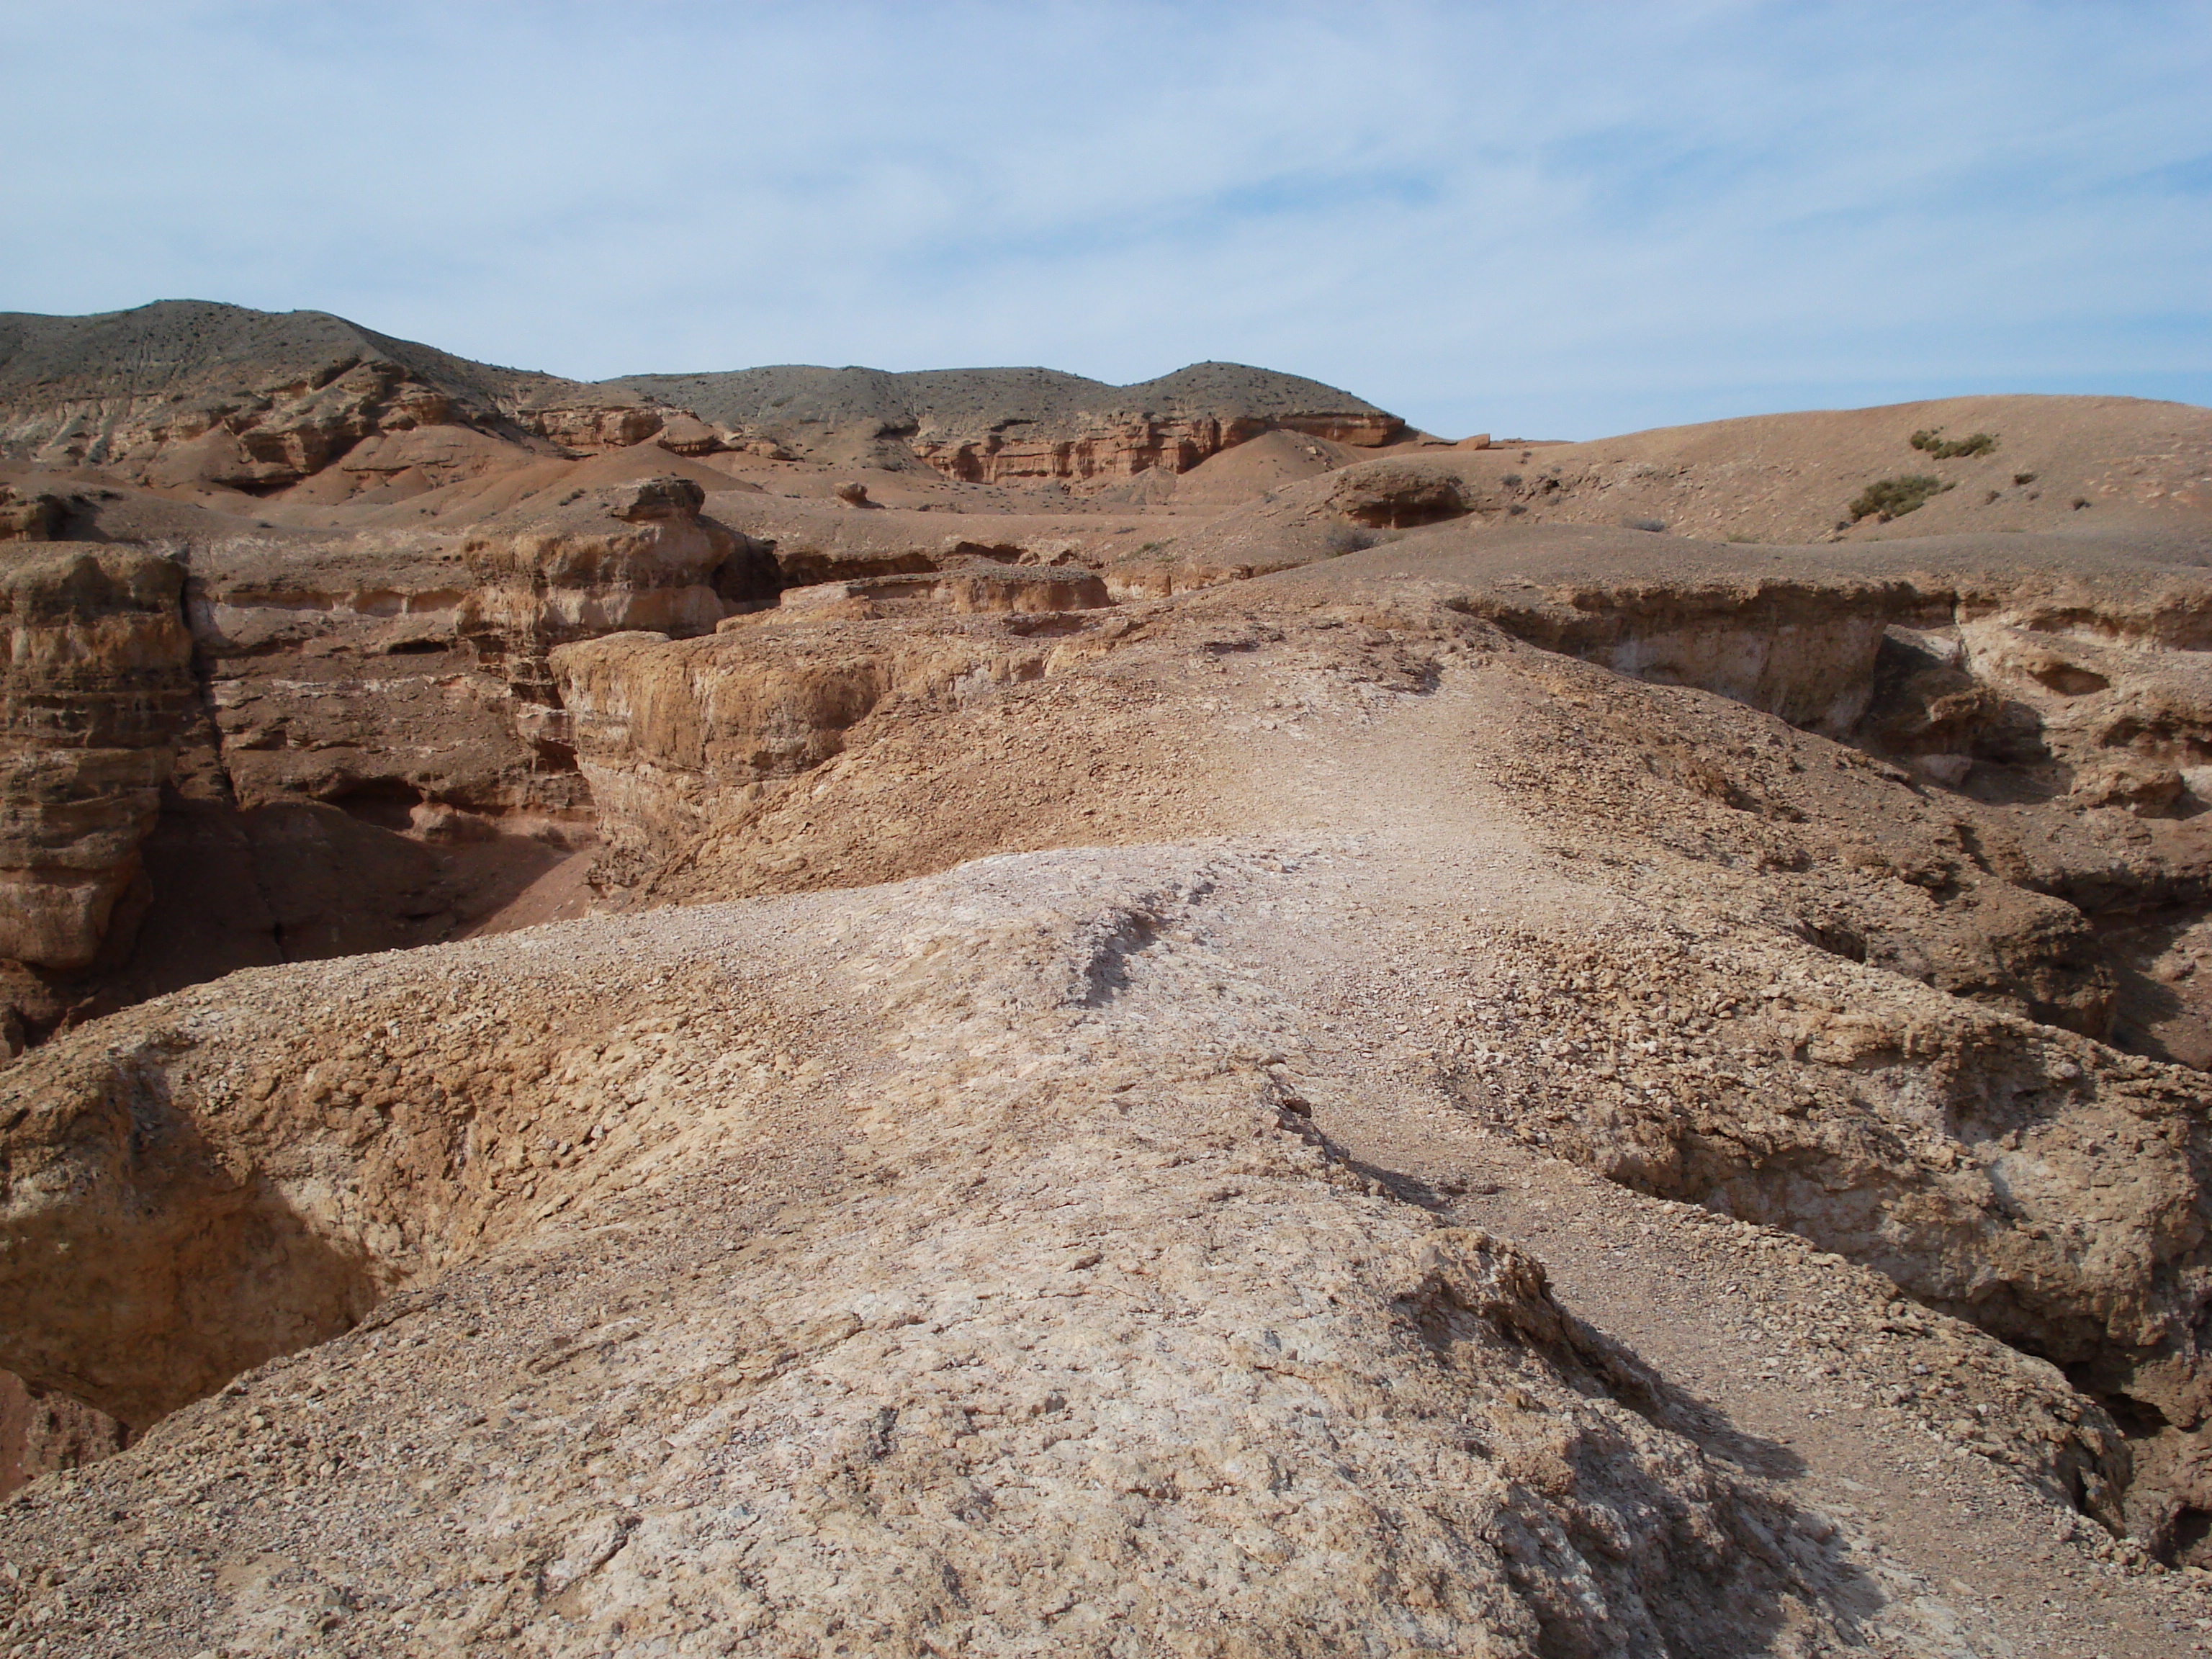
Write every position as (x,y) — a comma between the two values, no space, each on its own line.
(1399,495)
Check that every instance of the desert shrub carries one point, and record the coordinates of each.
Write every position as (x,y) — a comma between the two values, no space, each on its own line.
(1932,440)
(1655,525)
(1511,481)
(1344,539)
(1893,498)
(2023,478)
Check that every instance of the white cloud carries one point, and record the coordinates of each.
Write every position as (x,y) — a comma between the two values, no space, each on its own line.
(1566,218)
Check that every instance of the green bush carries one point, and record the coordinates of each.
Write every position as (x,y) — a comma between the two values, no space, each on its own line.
(1893,498)
(1932,440)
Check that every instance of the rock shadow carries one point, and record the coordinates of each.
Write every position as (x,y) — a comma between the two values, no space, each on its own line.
(139,1268)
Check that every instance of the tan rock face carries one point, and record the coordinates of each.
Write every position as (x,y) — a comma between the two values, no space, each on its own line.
(384,763)
(2015,1175)
(344,674)
(680,740)
(1113,447)
(279,434)
(636,557)
(683,741)
(1399,495)
(964,587)
(94,685)
(1800,650)
(594,426)
(34,515)
(42,1433)
(376,764)
(1068,1226)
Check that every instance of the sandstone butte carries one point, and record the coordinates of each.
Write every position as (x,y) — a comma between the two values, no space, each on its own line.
(811,1010)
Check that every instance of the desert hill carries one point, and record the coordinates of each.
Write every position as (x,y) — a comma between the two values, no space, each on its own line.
(998,424)
(186,348)
(681,1046)
(2066,465)
(184,393)
(253,400)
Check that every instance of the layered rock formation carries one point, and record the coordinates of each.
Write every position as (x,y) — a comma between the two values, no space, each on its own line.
(184,393)
(603,1179)
(1996,1218)
(373,755)
(94,688)
(1022,426)
(543,579)
(682,743)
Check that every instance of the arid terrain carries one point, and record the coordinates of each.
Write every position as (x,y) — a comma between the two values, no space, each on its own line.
(814,1011)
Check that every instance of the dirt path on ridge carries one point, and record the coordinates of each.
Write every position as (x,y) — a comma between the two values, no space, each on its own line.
(1408,853)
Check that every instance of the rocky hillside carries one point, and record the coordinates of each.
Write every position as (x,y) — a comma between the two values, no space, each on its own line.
(184,393)
(1022,425)
(183,390)
(1338,1062)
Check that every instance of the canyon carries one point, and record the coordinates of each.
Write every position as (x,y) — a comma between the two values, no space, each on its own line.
(761,1011)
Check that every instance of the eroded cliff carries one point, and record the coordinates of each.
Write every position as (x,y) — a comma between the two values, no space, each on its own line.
(94,688)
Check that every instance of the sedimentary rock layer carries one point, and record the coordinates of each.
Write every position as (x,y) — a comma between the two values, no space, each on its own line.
(94,684)
(1023,425)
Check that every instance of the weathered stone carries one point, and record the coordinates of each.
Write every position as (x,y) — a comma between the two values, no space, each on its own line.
(94,685)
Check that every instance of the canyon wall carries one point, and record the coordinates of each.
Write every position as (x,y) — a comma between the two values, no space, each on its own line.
(94,688)
(315,745)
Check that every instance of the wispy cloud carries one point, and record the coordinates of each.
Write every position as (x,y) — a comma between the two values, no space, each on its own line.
(1563,218)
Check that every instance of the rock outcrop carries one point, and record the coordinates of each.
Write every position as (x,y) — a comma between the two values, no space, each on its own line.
(1993,1166)
(184,393)
(47,1434)
(1021,426)
(370,754)
(95,688)
(638,556)
(684,743)
(1170,1000)
(385,760)
(32,515)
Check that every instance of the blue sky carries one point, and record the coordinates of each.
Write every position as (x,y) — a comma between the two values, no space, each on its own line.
(1537,220)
